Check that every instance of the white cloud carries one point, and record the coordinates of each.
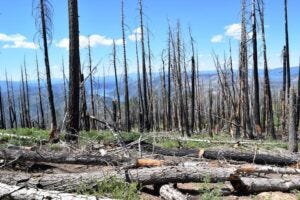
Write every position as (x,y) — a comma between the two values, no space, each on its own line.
(63,43)
(95,40)
(233,30)
(136,34)
(217,38)
(16,41)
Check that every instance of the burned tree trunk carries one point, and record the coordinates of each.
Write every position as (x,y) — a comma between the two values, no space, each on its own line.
(74,71)
(116,83)
(167,192)
(146,108)
(267,85)
(45,27)
(193,94)
(293,143)
(27,96)
(42,121)
(284,91)
(85,119)
(298,100)
(169,83)
(127,112)
(245,185)
(145,176)
(243,76)
(2,114)
(288,77)
(150,88)
(256,107)
(23,193)
(93,123)
(140,96)
(23,101)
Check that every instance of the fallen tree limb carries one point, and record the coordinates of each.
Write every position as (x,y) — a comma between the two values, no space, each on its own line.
(228,154)
(23,193)
(60,157)
(184,139)
(245,185)
(146,176)
(168,192)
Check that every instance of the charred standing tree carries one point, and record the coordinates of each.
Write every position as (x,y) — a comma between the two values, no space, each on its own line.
(288,76)
(267,88)
(65,87)
(27,96)
(14,103)
(284,92)
(193,77)
(144,71)
(210,104)
(23,100)
(293,143)
(243,76)
(127,112)
(10,106)
(178,64)
(256,107)
(41,108)
(85,119)
(164,92)
(44,25)
(298,99)
(74,73)
(141,107)
(150,88)
(2,114)
(186,89)
(116,81)
(93,123)
(104,97)
(169,83)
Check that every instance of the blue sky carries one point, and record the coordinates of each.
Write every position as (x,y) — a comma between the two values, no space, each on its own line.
(213,23)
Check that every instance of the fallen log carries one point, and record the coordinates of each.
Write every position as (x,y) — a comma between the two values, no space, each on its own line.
(250,169)
(167,192)
(23,193)
(245,185)
(227,154)
(211,141)
(60,157)
(146,176)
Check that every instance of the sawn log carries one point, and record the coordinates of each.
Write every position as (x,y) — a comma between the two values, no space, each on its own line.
(228,154)
(69,182)
(60,157)
(23,193)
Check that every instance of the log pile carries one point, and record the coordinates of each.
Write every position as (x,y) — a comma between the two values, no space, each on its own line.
(160,168)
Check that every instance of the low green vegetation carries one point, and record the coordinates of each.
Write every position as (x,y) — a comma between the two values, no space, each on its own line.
(209,191)
(106,137)
(111,187)
(35,135)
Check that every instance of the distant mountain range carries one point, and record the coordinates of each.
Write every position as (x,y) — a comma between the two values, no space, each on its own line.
(275,78)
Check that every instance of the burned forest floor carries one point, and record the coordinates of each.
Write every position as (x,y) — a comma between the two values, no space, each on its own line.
(160,165)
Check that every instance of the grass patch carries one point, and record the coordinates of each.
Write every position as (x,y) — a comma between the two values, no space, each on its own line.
(36,135)
(111,187)
(106,136)
(210,191)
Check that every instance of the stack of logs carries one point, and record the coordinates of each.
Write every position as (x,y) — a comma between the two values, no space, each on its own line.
(263,173)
